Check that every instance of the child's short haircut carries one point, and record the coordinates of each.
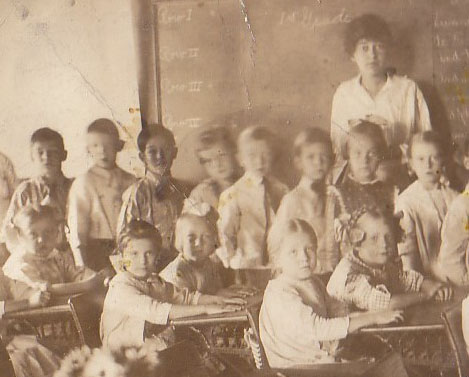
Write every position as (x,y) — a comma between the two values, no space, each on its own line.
(47,134)
(280,230)
(367,26)
(257,133)
(187,217)
(373,132)
(309,136)
(430,137)
(29,214)
(154,130)
(104,126)
(138,230)
(216,135)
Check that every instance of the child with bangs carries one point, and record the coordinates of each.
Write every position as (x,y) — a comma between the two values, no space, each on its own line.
(296,325)
(313,157)
(370,277)
(138,299)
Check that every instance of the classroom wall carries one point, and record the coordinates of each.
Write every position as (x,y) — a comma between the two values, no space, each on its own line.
(64,64)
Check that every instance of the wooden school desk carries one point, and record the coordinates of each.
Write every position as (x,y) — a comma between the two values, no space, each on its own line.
(421,338)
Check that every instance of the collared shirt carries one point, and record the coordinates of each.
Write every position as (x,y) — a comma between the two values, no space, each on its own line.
(94,204)
(368,288)
(207,191)
(294,324)
(131,301)
(423,214)
(158,203)
(453,258)
(33,270)
(309,204)
(399,101)
(205,278)
(245,220)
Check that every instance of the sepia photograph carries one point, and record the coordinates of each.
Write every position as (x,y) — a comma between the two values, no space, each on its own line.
(234,188)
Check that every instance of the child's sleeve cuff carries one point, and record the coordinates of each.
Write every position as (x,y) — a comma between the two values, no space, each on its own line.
(2,308)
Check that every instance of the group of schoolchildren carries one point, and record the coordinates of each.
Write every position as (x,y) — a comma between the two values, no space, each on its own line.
(350,246)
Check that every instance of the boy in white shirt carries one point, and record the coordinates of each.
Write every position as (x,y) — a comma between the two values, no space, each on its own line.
(247,209)
(95,198)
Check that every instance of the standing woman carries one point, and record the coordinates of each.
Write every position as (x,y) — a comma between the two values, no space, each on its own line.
(377,94)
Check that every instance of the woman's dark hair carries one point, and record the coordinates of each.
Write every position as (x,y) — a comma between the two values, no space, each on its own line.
(367,26)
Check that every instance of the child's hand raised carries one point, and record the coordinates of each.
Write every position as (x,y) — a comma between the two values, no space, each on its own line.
(39,299)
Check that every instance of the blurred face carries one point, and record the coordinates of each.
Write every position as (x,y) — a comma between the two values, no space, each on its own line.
(256,157)
(40,237)
(370,57)
(314,161)
(378,245)
(218,162)
(363,158)
(297,257)
(103,149)
(47,157)
(426,161)
(198,240)
(141,257)
(159,155)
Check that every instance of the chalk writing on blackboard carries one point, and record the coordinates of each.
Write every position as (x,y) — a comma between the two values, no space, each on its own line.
(168,54)
(170,87)
(170,122)
(168,16)
(307,18)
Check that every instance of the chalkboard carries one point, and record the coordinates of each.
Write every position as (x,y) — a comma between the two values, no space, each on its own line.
(279,62)
(451,62)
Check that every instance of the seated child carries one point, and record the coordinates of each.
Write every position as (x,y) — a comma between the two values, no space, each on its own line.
(38,264)
(28,356)
(48,187)
(156,198)
(424,204)
(137,294)
(295,325)
(369,279)
(216,152)
(377,94)
(194,269)
(453,257)
(247,209)
(365,149)
(313,157)
(95,198)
